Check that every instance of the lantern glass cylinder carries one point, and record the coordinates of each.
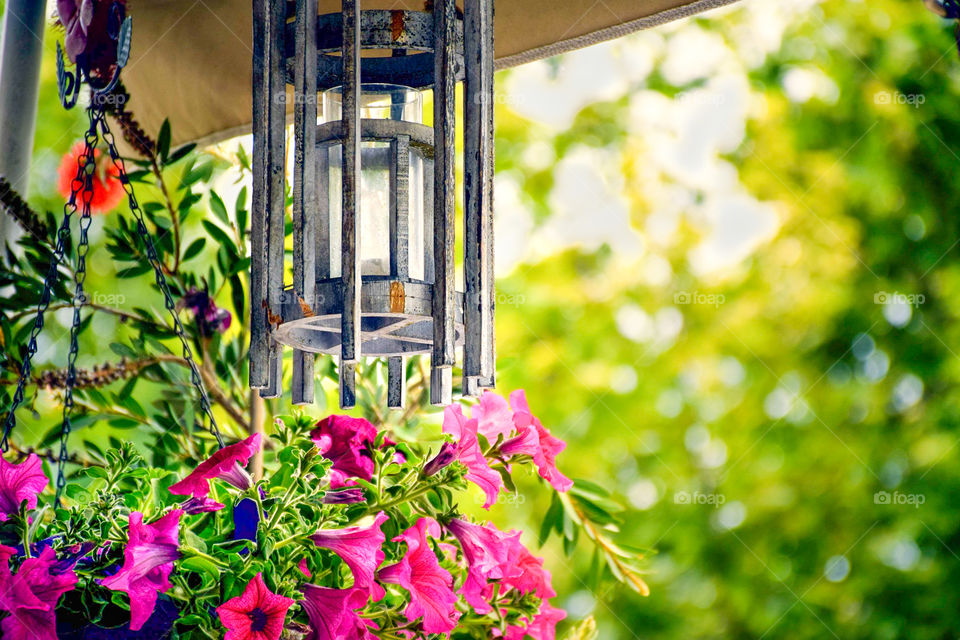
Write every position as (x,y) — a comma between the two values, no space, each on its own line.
(379,102)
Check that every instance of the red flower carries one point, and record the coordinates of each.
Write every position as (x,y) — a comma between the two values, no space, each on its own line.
(19,482)
(429,584)
(107,188)
(224,464)
(360,548)
(470,453)
(258,614)
(148,560)
(348,443)
(30,596)
(332,613)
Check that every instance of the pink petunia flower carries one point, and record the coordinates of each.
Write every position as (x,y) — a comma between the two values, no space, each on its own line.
(429,584)
(529,575)
(19,482)
(493,416)
(543,627)
(548,446)
(333,613)
(148,560)
(257,614)
(30,597)
(226,464)
(348,443)
(470,453)
(360,548)
(489,553)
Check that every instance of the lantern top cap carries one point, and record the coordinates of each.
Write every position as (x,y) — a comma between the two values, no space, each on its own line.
(192,62)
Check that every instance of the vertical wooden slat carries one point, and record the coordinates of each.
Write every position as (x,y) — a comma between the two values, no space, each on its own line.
(350,346)
(444,120)
(322,224)
(348,384)
(266,264)
(396,382)
(479,298)
(305,184)
(400,207)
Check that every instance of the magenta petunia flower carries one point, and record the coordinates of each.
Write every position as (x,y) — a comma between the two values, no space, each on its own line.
(348,443)
(493,416)
(257,614)
(148,560)
(543,627)
(489,553)
(19,482)
(360,548)
(30,597)
(429,584)
(548,446)
(333,612)
(226,464)
(470,453)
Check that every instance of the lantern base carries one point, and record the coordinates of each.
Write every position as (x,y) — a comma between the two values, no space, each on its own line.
(396,319)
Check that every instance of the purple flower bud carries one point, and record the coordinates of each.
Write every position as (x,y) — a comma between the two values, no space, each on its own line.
(447,454)
(193,506)
(344,496)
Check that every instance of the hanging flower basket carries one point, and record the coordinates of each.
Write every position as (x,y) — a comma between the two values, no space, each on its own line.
(350,534)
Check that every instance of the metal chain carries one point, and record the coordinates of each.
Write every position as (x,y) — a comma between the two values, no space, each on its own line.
(63,234)
(79,298)
(161,280)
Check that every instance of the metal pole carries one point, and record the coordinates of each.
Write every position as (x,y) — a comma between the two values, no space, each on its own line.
(21,48)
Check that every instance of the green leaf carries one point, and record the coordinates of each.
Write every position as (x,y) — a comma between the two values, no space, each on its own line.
(123,350)
(218,208)
(181,152)
(194,249)
(218,234)
(196,174)
(553,520)
(200,565)
(96,472)
(163,141)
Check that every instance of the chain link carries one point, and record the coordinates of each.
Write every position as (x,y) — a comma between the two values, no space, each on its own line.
(79,183)
(160,278)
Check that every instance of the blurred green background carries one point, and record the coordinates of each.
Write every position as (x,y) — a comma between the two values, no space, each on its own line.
(728,277)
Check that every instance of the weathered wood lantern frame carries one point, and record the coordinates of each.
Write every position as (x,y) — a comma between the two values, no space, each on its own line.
(355,315)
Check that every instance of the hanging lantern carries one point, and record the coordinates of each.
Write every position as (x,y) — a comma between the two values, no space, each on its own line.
(373,186)
(373,201)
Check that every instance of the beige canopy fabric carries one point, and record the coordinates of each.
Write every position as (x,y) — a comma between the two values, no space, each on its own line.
(191,60)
